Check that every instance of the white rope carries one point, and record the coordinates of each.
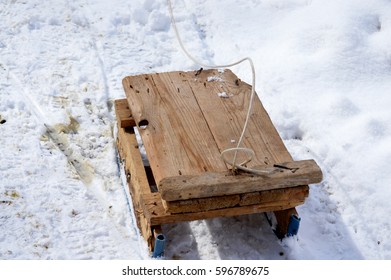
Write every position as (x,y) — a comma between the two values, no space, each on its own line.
(238,148)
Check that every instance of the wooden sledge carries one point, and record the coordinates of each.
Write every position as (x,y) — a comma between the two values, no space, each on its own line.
(185,120)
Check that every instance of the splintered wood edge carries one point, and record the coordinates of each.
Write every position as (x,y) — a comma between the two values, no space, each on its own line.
(210,184)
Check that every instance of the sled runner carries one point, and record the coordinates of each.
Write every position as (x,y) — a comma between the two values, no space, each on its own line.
(185,120)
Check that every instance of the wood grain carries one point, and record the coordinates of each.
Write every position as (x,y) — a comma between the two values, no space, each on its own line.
(226,116)
(208,184)
(176,138)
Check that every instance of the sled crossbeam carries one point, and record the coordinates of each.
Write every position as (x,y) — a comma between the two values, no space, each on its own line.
(208,184)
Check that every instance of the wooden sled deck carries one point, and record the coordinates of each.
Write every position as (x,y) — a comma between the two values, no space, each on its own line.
(185,120)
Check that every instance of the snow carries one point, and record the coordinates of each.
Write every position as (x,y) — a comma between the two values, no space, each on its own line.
(323,74)
(223,94)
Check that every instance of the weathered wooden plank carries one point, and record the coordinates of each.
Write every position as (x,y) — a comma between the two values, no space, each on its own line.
(221,202)
(210,184)
(175,134)
(296,193)
(123,113)
(226,115)
(136,177)
(156,214)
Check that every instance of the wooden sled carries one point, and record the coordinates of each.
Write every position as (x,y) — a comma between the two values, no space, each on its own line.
(185,120)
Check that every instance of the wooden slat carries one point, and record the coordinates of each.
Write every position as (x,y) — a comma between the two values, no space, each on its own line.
(207,204)
(210,184)
(123,113)
(201,204)
(156,214)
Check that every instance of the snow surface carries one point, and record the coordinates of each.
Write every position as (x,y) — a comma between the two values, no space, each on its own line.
(323,74)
